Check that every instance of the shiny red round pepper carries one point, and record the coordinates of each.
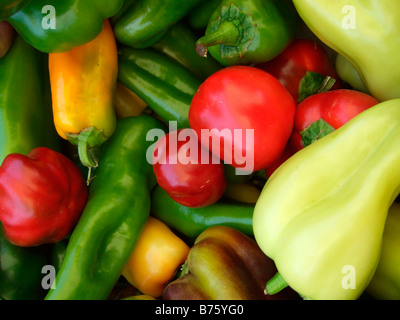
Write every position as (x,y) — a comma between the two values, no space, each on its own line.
(187,171)
(42,196)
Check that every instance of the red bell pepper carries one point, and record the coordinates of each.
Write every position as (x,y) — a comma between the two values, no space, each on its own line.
(248,112)
(187,171)
(42,196)
(301,58)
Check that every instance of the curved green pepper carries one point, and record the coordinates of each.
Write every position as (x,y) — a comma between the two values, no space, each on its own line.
(321,215)
(26,120)
(248,31)
(179,44)
(366,33)
(164,84)
(10,7)
(116,212)
(146,21)
(59,26)
(385,284)
(190,222)
(21,271)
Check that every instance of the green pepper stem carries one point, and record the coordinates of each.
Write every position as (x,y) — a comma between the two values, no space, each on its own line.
(275,284)
(227,33)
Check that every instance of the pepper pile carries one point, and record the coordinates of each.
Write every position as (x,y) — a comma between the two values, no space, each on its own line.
(208,149)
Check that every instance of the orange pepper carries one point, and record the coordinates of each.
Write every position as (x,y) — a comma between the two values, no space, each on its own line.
(155,259)
(83,83)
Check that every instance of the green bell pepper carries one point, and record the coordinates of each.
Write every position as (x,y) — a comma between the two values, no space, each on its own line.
(199,16)
(322,213)
(248,31)
(116,212)
(146,21)
(10,7)
(190,222)
(366,33)
(385,284)
(164,84)
(59,26)
(179,44)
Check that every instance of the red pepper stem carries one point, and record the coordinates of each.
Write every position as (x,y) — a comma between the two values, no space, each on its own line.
(275,284)
(227,33)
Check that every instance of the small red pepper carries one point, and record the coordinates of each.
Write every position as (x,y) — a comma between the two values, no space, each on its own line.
(302,58)
(42,196)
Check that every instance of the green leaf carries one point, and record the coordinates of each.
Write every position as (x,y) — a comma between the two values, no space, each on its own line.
(315,131)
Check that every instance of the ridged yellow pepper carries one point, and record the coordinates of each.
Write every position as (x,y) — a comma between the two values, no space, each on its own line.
(83,82)
(322,213)
(155,259)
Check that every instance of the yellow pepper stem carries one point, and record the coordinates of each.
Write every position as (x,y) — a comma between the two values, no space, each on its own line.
(275,284)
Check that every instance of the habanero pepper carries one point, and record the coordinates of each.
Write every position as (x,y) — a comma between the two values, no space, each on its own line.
(145,22)
(115,214)
(322,214)
(164,84)
(190,222)
(83,83)
(248,31)
(42,196)
(59,26)
(224,264)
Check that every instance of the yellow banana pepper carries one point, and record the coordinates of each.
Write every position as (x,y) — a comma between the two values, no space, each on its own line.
(83,82)
(322,213)
(155,259)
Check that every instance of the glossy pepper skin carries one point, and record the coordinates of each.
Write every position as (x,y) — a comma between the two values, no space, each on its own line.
(325,112)
(144,23)
(10,7)
(26,120)
(190,222)
(247,112)
(157,256)
(224,264)
(385,285)
(164,84)
(248,31)
(83,83)
(190,173)
(18,263)
(352,29)
(76,22)
(291,66)
(344,184)
(114,216)
(179,43)
(42,197)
